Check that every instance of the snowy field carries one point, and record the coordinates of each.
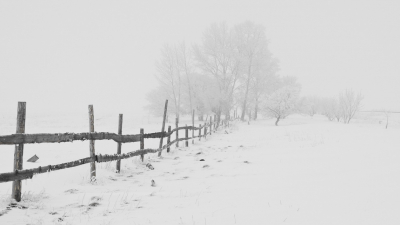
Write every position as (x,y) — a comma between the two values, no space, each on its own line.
(305,171)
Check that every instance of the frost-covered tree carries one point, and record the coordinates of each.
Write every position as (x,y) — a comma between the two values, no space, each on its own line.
(169,78)
(349,104)
(216,57)
(264,82)
(251,44)
(185,68)
(329,108)
(205,95)
(283,101)
(311,105)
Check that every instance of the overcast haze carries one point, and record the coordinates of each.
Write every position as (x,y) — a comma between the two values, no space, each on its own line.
(62,56)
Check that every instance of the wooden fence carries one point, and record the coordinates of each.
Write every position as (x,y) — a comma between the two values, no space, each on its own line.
(20,138)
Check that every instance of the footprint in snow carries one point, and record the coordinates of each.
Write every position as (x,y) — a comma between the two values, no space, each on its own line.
(71,191)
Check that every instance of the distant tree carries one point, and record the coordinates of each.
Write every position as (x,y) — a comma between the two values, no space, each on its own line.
(252,47)
(205,95)
(329,108)
(156,99)
(185,67)
(264,82)
(169,77)
(217,58)
(313,105)
(349,104)
(283,101)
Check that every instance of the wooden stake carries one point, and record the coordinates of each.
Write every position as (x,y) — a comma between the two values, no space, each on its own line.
(215,122)
(163,126)
(169,138)
(141,142)
(193,126)
(177,132)
(187,136)
(19,151)
(199,132)
(91,145)
(118,169)
(205,130)
(210,125)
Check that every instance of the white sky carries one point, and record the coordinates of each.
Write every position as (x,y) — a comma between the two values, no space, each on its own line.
(63,55)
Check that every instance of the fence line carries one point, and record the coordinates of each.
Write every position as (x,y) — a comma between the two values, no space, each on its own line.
(20,139)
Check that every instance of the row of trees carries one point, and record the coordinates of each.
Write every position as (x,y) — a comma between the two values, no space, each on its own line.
(232,68)
(343,108)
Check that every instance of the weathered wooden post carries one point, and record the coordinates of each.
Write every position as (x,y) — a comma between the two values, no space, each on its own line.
(199,132)
(205,130)
(91,145)
(118,169)
(193,127)
(19,151)
(163,127)
(187,135)
(177,132)
(142,142)
(169,138)
(211,125)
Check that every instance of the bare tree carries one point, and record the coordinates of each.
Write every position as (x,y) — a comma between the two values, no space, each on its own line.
(217,58)
(329,108)
(169,76)
(252,46)
(283,101)
(350,104)
(312,105)
(264,82)
(185,66)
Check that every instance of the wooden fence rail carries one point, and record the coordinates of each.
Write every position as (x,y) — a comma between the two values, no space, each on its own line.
(28,173)
(20,138)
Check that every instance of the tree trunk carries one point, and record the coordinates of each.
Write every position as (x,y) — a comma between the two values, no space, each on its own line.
(256,110)
(277,120)
(227,115)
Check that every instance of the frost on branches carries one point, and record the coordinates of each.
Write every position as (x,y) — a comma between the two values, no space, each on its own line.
(282,102)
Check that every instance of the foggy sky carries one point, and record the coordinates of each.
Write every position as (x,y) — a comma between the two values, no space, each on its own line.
(64,55)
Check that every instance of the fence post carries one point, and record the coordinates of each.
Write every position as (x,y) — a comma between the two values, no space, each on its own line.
(118,169)
(199,132)
(169,138)
(193,127)
(142,142)
(163,127)
(205,130)
(19,151)
(215,123)
(177,132)
(211,125)
(187,136)
(91,145)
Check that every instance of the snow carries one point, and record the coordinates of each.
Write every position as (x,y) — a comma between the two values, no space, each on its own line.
(304,171)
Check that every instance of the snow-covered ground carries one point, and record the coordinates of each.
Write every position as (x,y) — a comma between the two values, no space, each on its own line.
(305,171)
